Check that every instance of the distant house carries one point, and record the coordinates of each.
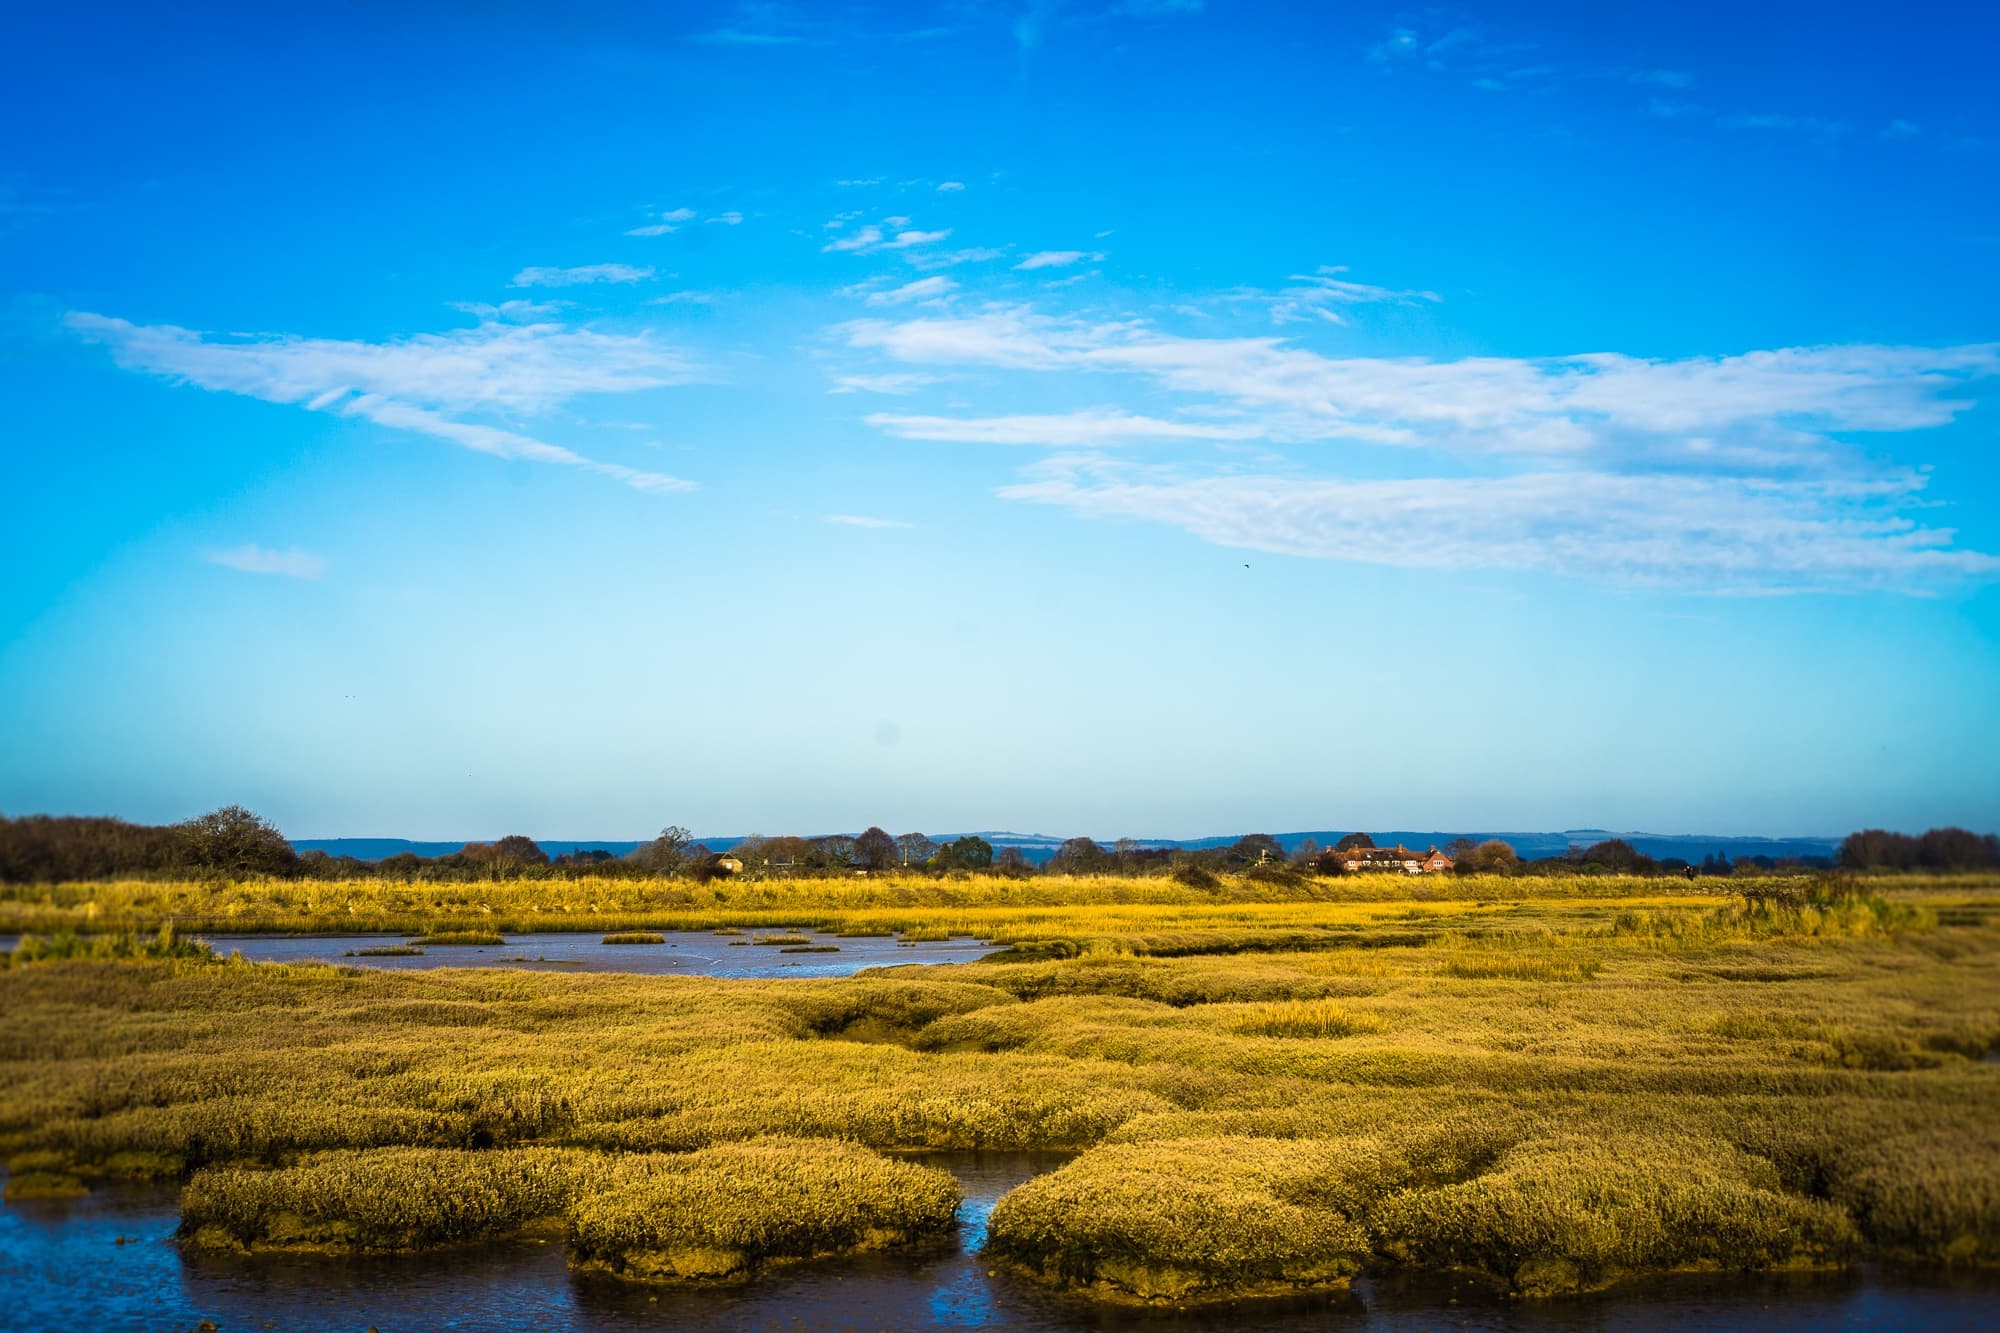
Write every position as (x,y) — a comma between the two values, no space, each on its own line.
(722,863)
(1399,858)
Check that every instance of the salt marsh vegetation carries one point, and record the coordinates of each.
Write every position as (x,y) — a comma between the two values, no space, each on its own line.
(1554,1090)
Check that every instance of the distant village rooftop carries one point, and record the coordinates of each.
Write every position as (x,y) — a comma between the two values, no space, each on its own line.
(1428,862)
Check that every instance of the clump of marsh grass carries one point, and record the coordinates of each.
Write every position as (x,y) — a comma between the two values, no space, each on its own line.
(386,951)
(781,940)
(1502,967)
(1303,1019)
(634,937)
(1930,1196)
(724,1211)
(69,945)
(467,937)
(44,1185)
(1576,1213)
(810,948)
(386,1199)
(1781,909)
(1182,1218)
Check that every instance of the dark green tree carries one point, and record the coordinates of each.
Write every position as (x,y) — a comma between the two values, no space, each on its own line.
(966,853)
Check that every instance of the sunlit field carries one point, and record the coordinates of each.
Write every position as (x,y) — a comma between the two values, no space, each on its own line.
(1556,1084)
(1109,908)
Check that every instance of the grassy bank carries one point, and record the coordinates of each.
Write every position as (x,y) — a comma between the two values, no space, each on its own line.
(873,905)
(1556,1091)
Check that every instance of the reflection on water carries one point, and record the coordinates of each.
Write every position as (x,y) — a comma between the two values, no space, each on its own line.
(62,1267)
(686,954)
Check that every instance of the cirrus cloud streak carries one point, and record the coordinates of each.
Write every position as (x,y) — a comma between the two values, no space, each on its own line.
(428,384)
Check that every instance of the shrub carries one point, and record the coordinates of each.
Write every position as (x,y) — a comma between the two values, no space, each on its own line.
(723,1211)
(380,1199)
(1196,876)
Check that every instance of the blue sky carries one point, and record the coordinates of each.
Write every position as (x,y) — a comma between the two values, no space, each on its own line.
(1154,418)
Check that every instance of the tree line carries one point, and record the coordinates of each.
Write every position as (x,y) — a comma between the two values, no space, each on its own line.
(235,843)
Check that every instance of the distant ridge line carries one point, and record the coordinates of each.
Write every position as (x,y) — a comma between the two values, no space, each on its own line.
(1038,847)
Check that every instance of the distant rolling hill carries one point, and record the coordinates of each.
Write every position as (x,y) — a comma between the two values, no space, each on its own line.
(1039,847)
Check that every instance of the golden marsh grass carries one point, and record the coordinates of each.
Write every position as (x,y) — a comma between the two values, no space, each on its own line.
(1557,1090)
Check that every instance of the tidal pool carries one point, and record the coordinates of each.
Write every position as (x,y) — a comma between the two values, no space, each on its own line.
(685,954)
(63,1267)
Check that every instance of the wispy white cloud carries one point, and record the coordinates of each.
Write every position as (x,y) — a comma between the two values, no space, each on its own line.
(291,563)
(582,275)
(862,239)
(1756,408)
(950,187)
(1093,428)
(892,383)
(1059,259)
(741,37)
(932,288)
(1785,121)
(1663,78)
(1899,129)
(936,259)
(519,312)
(863,521)
(667,223)
(429,384)
(730,218)
(1399,44)
(866,240)
(1716,534)
(1316,295)
(1756,485)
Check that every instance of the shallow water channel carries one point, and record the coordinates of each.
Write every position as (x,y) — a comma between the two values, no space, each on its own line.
(63,1266)
(685,954)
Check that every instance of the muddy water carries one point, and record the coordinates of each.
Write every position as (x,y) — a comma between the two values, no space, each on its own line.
(62,1268)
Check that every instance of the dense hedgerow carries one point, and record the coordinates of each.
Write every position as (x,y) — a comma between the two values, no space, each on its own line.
(723,1211)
